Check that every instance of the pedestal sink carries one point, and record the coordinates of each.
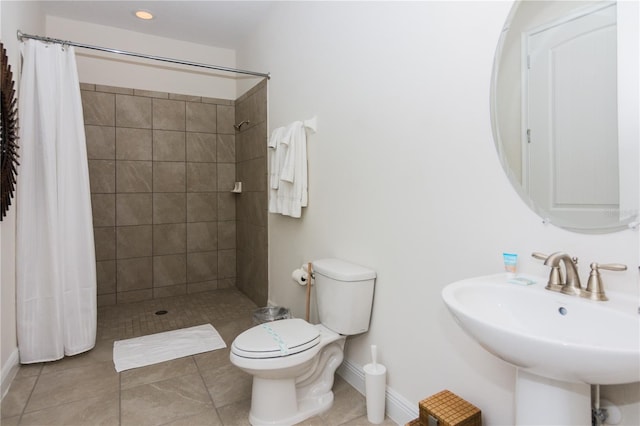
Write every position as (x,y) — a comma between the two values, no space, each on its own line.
(560,344)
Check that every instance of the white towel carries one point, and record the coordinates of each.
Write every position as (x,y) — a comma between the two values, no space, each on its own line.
(288,170)
(292,191)
(277,153)
(165,346)
(294,169)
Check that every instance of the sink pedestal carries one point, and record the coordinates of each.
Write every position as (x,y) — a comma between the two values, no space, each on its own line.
(543,401)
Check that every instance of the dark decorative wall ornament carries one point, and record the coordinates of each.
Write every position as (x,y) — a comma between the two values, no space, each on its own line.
(9,127)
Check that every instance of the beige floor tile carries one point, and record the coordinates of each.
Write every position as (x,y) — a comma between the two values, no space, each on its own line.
(236,414)
(73,384)
(85,390)
(207,417)
(339,384)
(348,404)
(163,402)
(362,421)
(230,330)
(10,421)
(102,411)
(16,399)
(28,370)
(313,421)
(227,385)
(213,359)
(157,372)
(102,352)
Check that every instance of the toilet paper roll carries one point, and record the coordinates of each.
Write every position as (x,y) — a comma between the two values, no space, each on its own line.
(299,276)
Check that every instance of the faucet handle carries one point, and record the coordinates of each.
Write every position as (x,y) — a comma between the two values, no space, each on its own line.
(611,266)
(595,288)
(539,256)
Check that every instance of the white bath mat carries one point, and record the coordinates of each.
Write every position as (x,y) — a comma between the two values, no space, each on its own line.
(160,347)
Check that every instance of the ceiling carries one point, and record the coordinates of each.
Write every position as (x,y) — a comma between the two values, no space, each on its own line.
(213,23)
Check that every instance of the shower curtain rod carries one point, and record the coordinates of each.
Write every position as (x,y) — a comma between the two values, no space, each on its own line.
(22,36)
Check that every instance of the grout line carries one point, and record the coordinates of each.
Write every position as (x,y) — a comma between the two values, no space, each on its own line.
(213,404)
(26,403)
(115,191)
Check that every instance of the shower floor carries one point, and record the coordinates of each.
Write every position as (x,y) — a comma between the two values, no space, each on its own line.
(203,389)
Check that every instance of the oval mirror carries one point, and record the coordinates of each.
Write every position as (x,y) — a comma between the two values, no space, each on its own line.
(565,114)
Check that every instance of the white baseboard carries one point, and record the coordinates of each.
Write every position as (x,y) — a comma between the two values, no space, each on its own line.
(9,370)
(398,408)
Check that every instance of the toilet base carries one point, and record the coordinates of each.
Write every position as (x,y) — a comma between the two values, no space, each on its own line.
(271,399)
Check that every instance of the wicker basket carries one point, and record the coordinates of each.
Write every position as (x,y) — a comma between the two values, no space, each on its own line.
(414,422)
(450,410)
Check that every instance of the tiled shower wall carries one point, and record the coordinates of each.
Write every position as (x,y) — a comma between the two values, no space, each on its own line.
(251,156)
(161,168)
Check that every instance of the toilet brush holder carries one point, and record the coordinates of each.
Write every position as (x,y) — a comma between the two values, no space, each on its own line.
(375,384)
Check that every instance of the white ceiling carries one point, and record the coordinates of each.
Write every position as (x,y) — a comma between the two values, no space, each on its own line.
(214,23)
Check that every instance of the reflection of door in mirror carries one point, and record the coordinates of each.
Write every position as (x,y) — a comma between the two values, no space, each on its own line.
(570,151)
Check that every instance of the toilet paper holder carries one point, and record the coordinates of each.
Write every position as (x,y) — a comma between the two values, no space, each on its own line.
(301,275)
(305,268)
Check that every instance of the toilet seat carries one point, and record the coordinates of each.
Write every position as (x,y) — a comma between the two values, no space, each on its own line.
(276,339)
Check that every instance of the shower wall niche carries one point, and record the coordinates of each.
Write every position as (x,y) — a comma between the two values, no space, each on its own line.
(161,169)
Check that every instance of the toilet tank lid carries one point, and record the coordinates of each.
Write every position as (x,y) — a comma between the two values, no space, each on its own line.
(342,271)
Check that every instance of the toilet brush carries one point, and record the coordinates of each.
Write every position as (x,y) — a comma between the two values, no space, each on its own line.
(374,357)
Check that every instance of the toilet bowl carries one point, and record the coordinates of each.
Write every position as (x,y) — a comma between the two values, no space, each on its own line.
(293,362)
(289,384)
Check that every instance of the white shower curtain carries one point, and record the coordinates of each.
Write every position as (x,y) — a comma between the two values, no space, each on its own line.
(56,273)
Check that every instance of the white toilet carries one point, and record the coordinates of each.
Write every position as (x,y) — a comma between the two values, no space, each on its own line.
(293,362)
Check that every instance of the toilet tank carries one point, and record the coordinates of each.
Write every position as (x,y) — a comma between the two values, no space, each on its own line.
(344,293)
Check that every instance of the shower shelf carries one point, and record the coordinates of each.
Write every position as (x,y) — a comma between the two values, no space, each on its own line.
(237,188)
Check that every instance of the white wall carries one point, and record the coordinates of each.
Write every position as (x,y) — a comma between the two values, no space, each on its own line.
(124,71)
(27,17)
(404,178)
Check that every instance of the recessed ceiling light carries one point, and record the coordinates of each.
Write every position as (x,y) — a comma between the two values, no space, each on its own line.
(144,14)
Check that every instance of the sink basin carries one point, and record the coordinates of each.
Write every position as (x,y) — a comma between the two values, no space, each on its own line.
(550,334)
